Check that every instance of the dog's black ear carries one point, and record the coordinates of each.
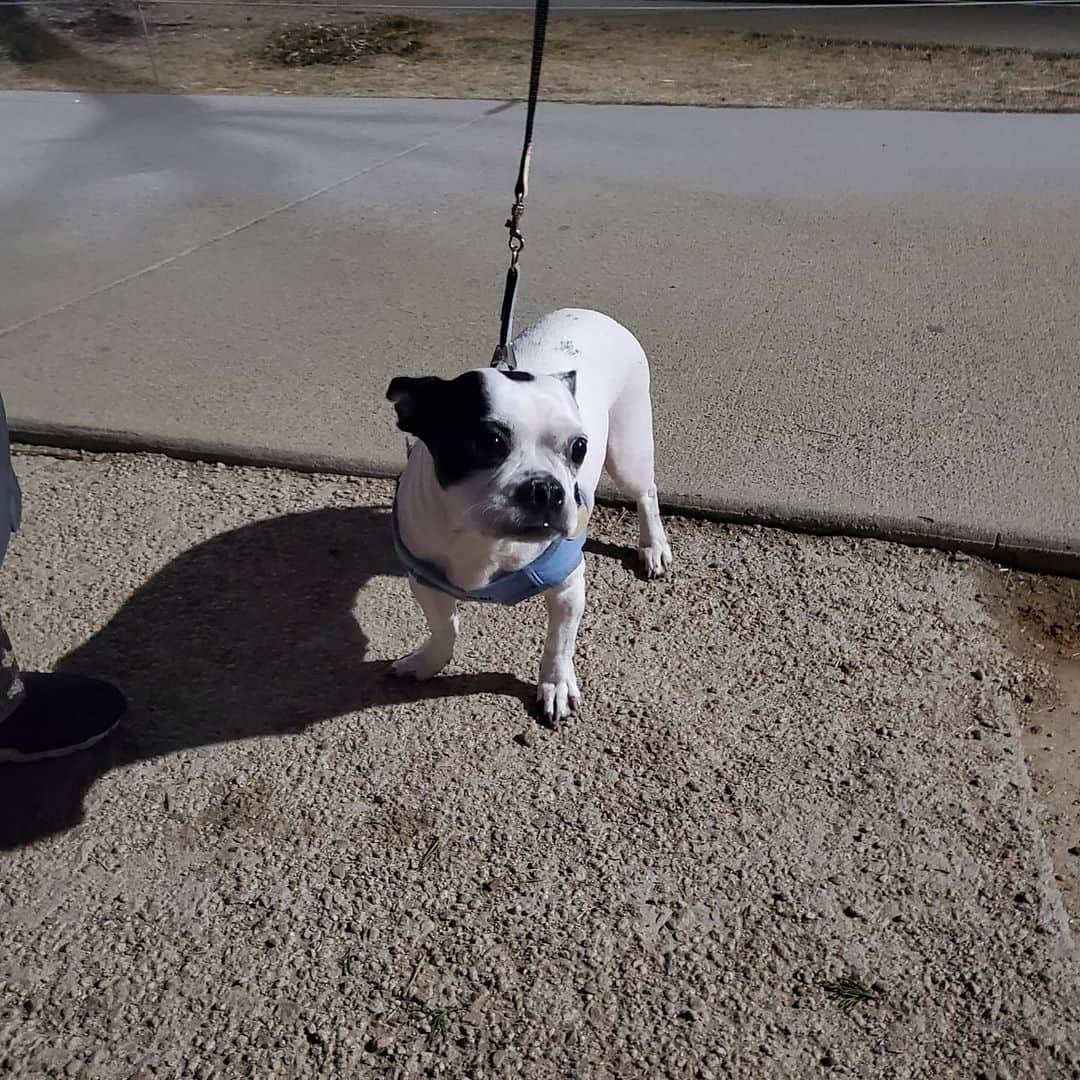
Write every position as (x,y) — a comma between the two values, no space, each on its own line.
(570,380)
(412,400)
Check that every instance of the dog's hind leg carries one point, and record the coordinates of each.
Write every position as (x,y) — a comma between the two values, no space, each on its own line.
(440,611)
(630,463)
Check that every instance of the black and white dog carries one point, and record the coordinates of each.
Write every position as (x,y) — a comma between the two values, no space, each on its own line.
(495,496)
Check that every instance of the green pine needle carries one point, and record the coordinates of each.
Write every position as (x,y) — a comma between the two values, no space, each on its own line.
(849,991)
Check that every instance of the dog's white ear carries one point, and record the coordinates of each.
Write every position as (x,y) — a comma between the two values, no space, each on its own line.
(409,397)
(569,379)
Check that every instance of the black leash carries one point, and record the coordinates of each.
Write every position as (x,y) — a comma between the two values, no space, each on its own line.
(504,351)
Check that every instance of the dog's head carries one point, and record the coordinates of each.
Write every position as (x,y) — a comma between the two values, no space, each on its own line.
(507,446)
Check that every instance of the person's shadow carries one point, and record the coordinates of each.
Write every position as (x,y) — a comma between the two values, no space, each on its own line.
(250,633)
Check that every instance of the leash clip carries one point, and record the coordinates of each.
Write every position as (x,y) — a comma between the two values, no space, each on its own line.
(513,223)
(504,357)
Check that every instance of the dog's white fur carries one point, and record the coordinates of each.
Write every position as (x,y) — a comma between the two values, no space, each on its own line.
(456,528)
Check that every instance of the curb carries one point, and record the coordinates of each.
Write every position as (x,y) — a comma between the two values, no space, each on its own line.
(1040,553)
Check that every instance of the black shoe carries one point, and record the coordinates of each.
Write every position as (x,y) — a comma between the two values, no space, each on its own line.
(60,714)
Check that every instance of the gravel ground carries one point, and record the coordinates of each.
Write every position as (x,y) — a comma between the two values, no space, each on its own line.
(798,761)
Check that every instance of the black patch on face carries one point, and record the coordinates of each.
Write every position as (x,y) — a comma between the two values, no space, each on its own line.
(452,417)
(518,376)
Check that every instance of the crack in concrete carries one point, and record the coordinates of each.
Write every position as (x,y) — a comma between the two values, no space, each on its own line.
(258,220)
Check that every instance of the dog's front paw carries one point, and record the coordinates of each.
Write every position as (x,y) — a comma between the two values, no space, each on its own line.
(655,559)
(558,695)
(423,664)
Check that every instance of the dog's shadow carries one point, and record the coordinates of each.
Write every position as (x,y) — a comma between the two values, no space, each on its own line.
(250,633)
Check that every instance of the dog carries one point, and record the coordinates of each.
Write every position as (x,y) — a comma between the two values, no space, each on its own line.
(495,496)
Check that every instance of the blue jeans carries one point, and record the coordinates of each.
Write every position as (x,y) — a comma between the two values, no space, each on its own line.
(11,688)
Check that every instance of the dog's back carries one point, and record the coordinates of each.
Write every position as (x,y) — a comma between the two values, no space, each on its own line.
(594,345)
(612,388)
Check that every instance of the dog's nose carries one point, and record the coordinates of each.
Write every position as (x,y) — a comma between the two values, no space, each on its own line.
(541,493)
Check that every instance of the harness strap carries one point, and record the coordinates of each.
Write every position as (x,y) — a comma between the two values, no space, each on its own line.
(552,567)
(504,351)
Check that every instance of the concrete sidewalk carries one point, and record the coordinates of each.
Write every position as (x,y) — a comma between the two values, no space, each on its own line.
(858,321)
(286,865)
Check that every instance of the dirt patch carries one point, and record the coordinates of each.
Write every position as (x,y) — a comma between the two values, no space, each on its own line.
(105,21)
(789,835)
(589,59)
(1040,622)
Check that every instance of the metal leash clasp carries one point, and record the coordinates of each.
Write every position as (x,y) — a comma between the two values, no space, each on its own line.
(513,223)
(503,356)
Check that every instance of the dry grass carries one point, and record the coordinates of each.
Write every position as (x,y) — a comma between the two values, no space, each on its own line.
(615,60)
(308,43)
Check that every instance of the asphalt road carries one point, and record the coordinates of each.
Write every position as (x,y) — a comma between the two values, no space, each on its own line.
(1050,27)
(858,320)
(1044,29)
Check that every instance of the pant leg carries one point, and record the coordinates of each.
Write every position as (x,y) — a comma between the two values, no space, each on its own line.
(11,687)
(10,499)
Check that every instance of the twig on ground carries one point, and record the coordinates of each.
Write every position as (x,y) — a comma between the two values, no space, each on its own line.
(1047,89)
(429,853)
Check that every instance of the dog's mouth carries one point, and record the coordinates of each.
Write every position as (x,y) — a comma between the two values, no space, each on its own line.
(536,532)
(529,531)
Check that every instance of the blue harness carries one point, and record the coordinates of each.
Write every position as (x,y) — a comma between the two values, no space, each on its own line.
(551,568)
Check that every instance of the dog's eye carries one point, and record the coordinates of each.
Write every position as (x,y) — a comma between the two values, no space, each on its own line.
(491,444)
(578,449)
